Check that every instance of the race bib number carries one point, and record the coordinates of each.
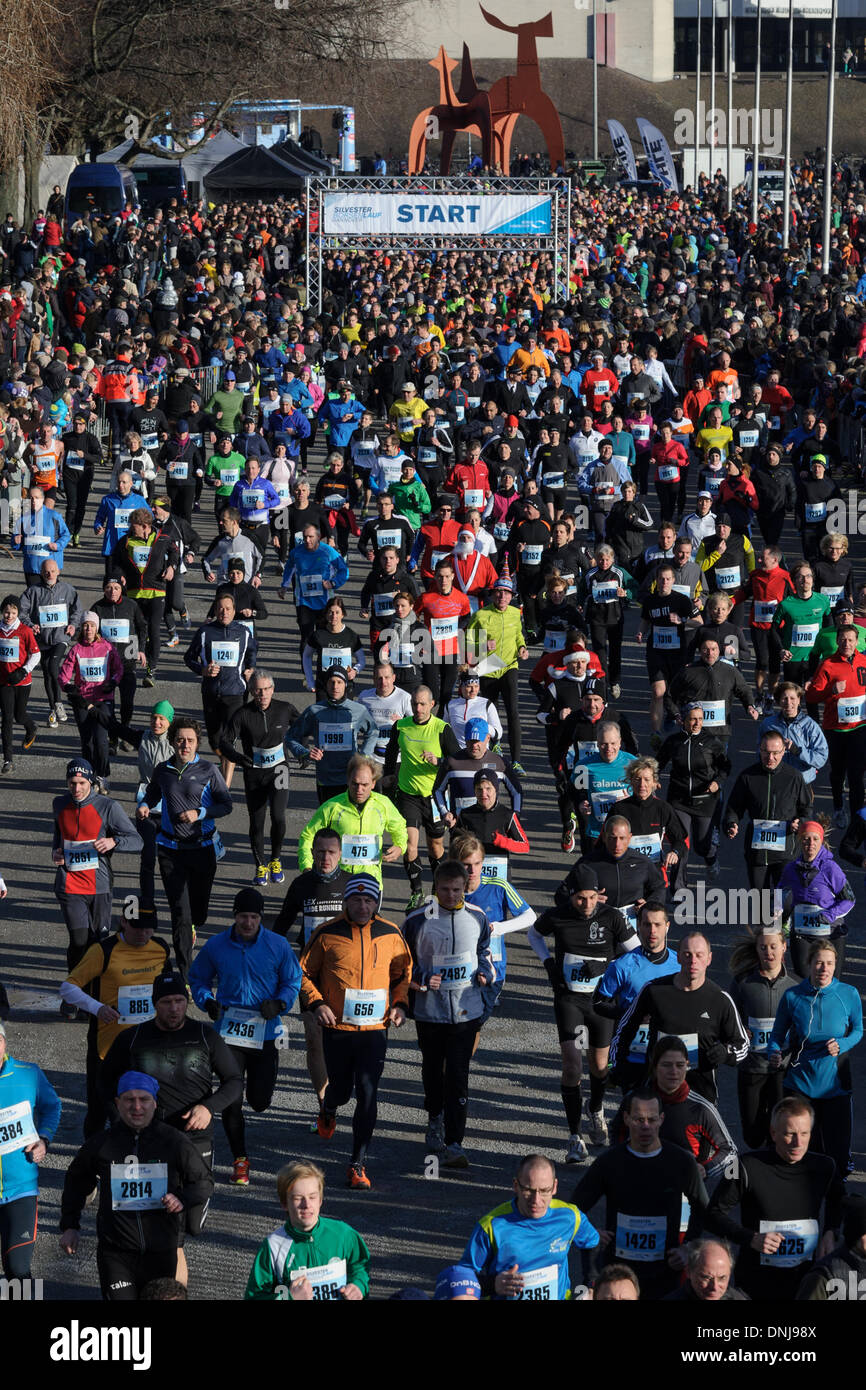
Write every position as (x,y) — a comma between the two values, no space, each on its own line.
(639,1044)
(140,557)
(668,473)
(759,1033)
(115,629)
(640,433)
(816,511)
(312,923)
(804,634)
(691,1042)
(121,518)
(442,629)
(229,477)
(364,1007)
(666,639)
(56,616)
(809,920)
(586,750)
(540,1283)
(712,483)
(327,1280)
(456,971)
(76,462)
(799,1243)
(473,497)
(640,1237)
(135,1003)
(36,547)
(79,856)
(532,554)
(179,470)
(769,835)
(604,593)
(243,1028)
(727,578)
(252,499)
(581,973)
(16,1127)
(714,711)
(554,641)
(93,669)
(553,480)
(748,439)
(394,538)
(426,454)
(833,595)
(495,867)
(331,736)
(648,845)
(763,610)
(336,656)
(312,586)
(138,1186)
(334,500)
(225,653)
(10,648)
(383,605)
(851,711)
(269,757)
(360,849)
(149,441)
(603,801)
(501,530)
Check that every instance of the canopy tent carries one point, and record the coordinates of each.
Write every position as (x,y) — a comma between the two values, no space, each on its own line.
(256,169)
(296,155)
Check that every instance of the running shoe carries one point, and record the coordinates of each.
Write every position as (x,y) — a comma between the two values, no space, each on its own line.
(454,1157)
(68,1011)
(276,871)
(597,1127)
(434,1139)
(519,769)
(30,739)
(415,901)
(7,765)
(326,1125)
(616,691)
(261,878)
(148,681)
(185,618)
(240,1172)
(840,818)
(173,641)
(568,836)
(60,711)
(577,1152)
(357,1179)
(76,539)
(52,720)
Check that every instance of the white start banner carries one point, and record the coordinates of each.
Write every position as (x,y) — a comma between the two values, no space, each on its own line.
(458,214)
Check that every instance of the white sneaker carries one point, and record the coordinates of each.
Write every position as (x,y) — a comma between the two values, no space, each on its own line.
(61,713)
(577,1151)
(597,1128)
(52,720)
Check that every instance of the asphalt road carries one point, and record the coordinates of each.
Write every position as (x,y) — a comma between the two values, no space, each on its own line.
(414,1222)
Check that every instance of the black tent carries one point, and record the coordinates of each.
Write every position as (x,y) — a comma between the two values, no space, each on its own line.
(299,158)
(254,169)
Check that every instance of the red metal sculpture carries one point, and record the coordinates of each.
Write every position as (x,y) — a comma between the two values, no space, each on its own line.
(491,115)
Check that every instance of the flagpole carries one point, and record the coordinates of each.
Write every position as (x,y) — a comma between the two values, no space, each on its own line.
(757,123)
(697,100)
(789,88)
(730,47)
(595,79)
(828,167)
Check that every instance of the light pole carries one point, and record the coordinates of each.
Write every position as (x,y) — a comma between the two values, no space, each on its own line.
(730,48)
(757,120)
(786,196)
(698,99)
(828,167)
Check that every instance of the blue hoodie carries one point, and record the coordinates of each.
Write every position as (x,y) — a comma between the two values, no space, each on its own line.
(246,973)
(24,1084)
(807,1018)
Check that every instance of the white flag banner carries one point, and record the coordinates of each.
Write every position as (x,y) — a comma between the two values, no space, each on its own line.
(622,148)
(658,153)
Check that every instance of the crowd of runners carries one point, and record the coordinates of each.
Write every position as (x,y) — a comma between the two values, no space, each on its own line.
(540,475)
